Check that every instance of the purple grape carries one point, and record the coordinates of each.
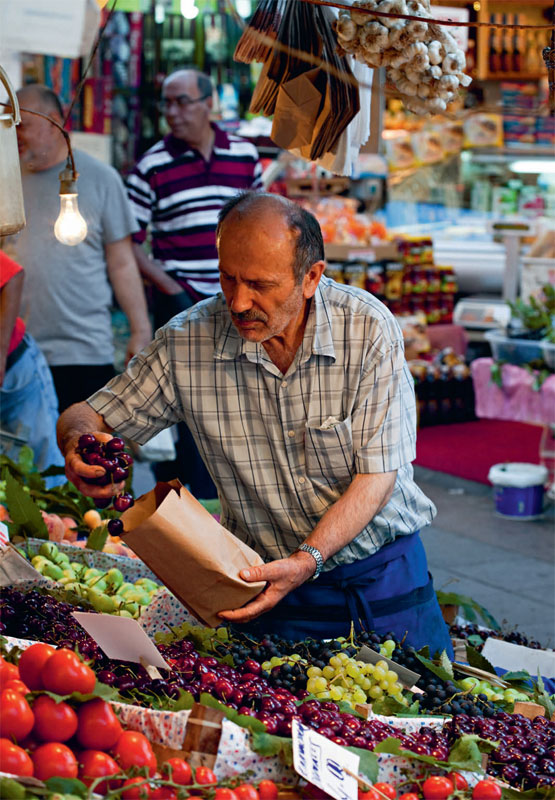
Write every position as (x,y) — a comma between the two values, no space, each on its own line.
(115,445)
(115,527)
(102,502)
(120,474)
(86,440)
(123,501)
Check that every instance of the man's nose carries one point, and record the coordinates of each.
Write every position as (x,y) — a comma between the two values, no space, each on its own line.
(241,299)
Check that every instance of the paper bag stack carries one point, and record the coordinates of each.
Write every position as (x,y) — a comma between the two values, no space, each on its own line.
(192,554)
(312,105)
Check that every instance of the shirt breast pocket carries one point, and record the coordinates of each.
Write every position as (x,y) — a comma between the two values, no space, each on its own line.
(329,452)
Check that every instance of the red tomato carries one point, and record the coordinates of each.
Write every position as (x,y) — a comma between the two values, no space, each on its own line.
(54,722)
(96,764)
(181,772)
(267,790)
(8,672)
(134,750)
(368,794)
(486,790)
(136,793)
(386,789)
(65,673)
(16,717)
(31,662)
(54,760)
(437,787)
(16,685)
(459,781)
(223,793)
(205,775)
(99,728)
(245,791)
(409,796)
(164,793)
(14,759)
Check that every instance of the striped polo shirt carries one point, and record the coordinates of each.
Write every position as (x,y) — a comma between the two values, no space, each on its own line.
(177,195)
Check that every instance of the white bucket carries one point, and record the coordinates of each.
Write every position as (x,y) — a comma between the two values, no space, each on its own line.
(518,489)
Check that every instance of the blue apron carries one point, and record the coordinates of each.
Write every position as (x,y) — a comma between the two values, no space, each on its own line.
(390,591)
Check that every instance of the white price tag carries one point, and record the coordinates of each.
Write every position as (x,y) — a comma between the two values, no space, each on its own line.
(121,638)
(325,764)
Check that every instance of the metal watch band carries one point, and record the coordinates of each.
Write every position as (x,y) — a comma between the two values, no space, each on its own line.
(317,556)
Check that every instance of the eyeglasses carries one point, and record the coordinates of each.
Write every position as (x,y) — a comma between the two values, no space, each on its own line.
(182,100)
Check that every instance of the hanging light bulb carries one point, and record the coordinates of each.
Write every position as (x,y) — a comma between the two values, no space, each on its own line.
(189,9)
(70,228)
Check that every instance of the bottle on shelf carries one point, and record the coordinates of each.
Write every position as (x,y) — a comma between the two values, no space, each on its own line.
(495,45)
(518,46)
(506,45)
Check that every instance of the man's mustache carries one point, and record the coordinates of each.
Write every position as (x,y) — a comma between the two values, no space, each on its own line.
(250,316)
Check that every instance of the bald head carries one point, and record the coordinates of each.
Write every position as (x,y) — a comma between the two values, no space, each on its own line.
(191,77)
(262,209)
(38,97)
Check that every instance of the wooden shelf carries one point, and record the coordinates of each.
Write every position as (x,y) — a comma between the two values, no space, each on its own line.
(514,76)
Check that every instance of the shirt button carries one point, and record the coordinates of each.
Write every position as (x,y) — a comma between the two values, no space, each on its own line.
(284,385)
(291,434)
(302,480)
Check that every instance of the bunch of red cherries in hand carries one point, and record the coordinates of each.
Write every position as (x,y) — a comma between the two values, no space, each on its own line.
(111,456)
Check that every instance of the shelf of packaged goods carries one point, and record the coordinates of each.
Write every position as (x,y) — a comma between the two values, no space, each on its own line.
(508,153)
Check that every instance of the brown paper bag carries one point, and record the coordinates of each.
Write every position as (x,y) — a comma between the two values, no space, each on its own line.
(297,109)
(192,554)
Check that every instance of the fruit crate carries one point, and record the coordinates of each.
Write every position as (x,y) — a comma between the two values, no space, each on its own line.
(520,351)
(131,568)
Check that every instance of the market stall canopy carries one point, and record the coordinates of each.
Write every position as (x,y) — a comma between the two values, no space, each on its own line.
(65,28)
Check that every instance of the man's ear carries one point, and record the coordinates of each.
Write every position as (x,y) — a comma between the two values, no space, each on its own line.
(312,278)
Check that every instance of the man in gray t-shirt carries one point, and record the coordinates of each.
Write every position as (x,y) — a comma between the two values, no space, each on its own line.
(68,290)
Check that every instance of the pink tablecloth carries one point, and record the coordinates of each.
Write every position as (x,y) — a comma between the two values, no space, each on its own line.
(516,399)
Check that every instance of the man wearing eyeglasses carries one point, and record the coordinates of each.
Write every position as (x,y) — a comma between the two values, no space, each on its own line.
(177,190)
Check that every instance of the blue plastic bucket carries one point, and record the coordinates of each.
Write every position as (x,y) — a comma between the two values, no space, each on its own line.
(518,489)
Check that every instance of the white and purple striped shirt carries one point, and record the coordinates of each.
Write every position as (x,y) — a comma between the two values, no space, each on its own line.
(282,449)
(177,195)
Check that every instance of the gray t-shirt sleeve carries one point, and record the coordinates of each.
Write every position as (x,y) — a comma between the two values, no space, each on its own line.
(118,220)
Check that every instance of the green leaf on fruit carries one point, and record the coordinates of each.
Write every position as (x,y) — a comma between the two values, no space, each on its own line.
(476,659)
(472,609)
(538,793)
(542,698)
(446,664)
(184,702)
(439,670)
(368,766)
(466,753)
(230,713)
(23,510)
(266,744)
(97,538)
(475,640)
(388,706)
(26,459)
(347,708)
(519,675)
(53,471)
(66,786)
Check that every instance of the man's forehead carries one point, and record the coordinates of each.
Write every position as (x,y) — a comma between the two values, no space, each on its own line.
(182,84)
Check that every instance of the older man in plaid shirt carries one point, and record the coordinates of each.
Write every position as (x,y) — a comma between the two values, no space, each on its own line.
(297,393)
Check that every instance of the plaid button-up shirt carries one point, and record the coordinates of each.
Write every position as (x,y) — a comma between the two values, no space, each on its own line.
(283,448)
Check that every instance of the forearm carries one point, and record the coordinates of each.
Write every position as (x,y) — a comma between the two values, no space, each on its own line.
(128,288)
(341,523)
(152,272)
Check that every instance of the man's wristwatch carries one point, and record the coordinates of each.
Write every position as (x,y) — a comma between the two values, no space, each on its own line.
(316,555)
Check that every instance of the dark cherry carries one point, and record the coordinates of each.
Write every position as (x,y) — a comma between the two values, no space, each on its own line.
(120,474)
(102,502)
(123,501)
(115,445)
(86,440)
(115,527)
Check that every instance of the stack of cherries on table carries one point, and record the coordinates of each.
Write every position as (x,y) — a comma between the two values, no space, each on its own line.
(111,456)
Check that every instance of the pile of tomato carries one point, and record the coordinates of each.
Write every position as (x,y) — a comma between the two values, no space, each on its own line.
(435,787)
(46,737)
